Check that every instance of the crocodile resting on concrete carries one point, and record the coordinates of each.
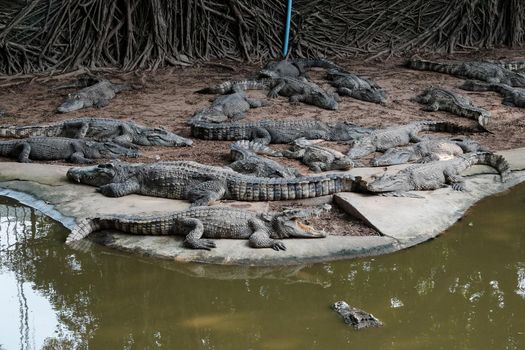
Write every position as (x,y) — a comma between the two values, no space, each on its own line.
(97,95)
(228,107)
(434,175)
(201,223)
(125,133)
(203,184)
(293,68)
(438,99)
(486,71)
(361,88)
(427,151)
(318,158)
(512,96)
(278,131)
(247,161)
(384,139)
(59,148)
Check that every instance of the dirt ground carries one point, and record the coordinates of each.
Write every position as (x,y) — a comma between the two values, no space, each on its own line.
(167,99)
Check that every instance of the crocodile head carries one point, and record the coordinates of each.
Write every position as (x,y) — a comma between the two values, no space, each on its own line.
(72,103)
(108,150)
(291,224)
(393,156)
(371,95)
(159,137)
(97,175)
(325,100)
(390,183)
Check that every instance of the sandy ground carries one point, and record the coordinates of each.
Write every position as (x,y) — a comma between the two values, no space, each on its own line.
(167,99)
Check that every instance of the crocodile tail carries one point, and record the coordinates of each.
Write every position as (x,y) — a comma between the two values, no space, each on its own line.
(317,62)
(83,229)
(241,149)
(432,66)
(496,161)
(220,131)
(30,131)
(446,127)
(234,86)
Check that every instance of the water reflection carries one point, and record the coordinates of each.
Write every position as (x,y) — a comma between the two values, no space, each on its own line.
(464,290)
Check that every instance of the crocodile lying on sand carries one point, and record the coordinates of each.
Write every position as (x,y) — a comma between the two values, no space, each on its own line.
(361,88)
(512,96)
(228,107)
(247,161)
(438,99)
(278,131)
(97,95)
(515,66)
(486,71)
(427,151)
(434,175)
(318,158)
(383,139)
(202,184)
(123,132)
(59,148)
(293,68)
(199,224)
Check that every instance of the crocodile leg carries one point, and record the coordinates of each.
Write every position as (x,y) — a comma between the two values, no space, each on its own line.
(293,154)
(23,156)
(295,99)
(101,103)
(254,103)
(78,155)
(433,107)
(261,135)
(206,192)
(119,189)
(317,167)
(125,138)
(260,238)
(456,181)
(275,91)
(193,238)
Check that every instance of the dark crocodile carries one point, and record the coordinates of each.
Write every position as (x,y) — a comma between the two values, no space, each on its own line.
(200,224)
(355,317)
(246,160)
(439,99)
(122,132)
(59,148)
(437,174)
(515,66)
(486,71)
(293,68)
(228,107)
(512,96)
(427,151)
(202,184)
(318,158)
(278,131)
(97,95)
(361,88)
(384,139)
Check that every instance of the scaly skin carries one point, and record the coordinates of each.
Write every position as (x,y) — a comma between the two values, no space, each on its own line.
(97,95)
(197,224)
(485,71)
(123,132)
(202,184)
(57,148)
(438,99)
(278,131)
(384,139)
(318,158)
(511,96)
(228,107)
(352,85)
(293,68)
(355,317)
(434,175)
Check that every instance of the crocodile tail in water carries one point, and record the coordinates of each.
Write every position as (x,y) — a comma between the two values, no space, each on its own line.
(83,229)
(30,131)
(241,149)
(449,68)
(496,161)
(233,86)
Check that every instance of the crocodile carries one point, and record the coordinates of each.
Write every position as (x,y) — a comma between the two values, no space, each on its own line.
(437,174)
(318,158)
(125,133)
(97,95)
(361,88)
(228,107)
(486,71)
(427,151)
(439,99)
(293,68)
(278,131)
(383,139)
(355,317)
(203,184)
(515,66)
(199,224)
(512,96)
(247,161)
(60,148)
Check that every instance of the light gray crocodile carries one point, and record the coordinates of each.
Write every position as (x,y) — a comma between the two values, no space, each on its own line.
(384,139)
(293,68)
(202,184)
(59,148)
(439,99)
(247,161)
(200,224)
(427,151)
(437,174)
(512,96)
(318,158)
(123,132)
(486,71)
(97,95)
(228,107)
(361,88)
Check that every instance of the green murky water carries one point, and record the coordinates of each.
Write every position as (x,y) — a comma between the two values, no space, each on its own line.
(464,290)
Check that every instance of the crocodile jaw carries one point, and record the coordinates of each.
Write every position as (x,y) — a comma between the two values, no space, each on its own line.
(71,104)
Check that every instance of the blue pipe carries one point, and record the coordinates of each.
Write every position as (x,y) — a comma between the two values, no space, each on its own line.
(287,28)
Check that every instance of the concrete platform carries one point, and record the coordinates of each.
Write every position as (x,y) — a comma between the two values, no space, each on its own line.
(403,222)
